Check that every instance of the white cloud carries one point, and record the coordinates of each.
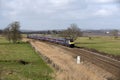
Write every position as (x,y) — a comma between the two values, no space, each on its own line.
(15,7)
(59,2)
(11,9)
(107,10)
(104,7)
(103,12)
(103,1)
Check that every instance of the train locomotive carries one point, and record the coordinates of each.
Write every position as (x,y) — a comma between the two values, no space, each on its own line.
(62,41)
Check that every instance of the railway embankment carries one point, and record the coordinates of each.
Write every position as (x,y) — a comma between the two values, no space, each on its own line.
(65,64)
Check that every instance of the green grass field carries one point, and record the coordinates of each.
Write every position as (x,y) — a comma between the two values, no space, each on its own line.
(12,67)
(103,44)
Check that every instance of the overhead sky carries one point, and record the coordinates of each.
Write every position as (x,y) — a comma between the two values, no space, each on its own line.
(59,14)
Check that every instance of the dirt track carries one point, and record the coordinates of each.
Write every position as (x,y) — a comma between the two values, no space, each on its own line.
(67,67)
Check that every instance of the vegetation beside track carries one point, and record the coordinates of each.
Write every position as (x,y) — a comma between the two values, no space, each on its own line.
(107,45)
(21,62)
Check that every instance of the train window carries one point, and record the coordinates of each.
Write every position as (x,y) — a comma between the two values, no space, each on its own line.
(71,40)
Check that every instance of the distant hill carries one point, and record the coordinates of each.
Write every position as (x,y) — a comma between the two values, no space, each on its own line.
(98,32)
(85,32)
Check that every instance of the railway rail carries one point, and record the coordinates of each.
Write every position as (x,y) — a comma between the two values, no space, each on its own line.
(106,63)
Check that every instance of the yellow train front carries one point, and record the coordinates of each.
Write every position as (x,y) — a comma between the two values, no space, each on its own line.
(71,43)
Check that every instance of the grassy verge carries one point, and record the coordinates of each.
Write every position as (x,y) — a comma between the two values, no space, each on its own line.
(21,62)
(103,44)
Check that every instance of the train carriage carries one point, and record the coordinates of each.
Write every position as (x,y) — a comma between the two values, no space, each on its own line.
(62,41)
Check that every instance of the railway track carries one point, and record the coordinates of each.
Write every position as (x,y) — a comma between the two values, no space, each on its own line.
(106,63)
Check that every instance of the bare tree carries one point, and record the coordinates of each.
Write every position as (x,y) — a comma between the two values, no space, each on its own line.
(115,33)
(1,31)
(15,32)
(72,32)
(7,34)
(12,32)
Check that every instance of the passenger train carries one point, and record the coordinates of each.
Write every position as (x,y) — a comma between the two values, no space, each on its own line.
(62,41)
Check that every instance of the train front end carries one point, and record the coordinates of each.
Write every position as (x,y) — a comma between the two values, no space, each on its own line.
(71,43)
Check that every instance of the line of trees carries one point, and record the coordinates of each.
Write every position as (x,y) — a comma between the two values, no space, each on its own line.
(115,34)
(12,32)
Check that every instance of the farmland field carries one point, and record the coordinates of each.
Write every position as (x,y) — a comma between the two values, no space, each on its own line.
(103,44)
(21,62)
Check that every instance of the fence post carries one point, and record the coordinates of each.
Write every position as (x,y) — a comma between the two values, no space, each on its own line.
(78,59)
